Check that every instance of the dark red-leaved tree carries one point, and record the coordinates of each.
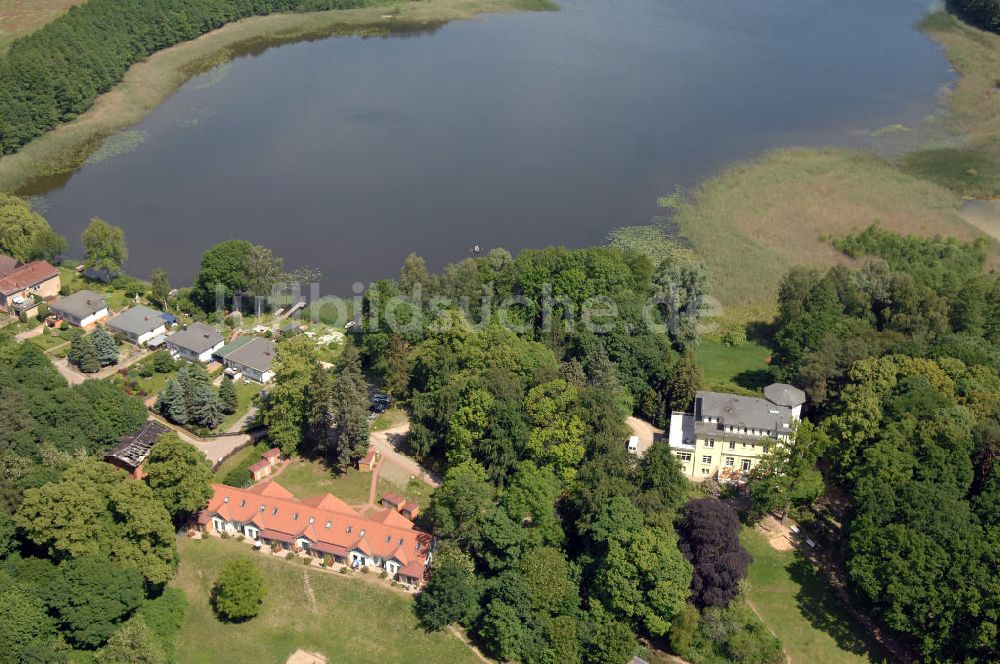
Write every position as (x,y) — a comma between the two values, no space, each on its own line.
(709,539)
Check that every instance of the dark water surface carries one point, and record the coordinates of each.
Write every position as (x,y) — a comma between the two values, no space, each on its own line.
(519,130)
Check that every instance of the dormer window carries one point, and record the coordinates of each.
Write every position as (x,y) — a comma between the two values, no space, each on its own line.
(226,500)
(262,507)
(243,503)
(388,538)
(274,511)
(329,523)
(295,517)
(312,520)
(418,545)
(350,529)
(362,533)
(401,541)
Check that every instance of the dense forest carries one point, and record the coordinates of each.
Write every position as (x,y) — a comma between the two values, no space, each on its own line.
(54,74)
(84,555)
(901,364)
(984,14)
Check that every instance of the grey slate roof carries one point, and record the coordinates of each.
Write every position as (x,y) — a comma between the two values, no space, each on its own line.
(80,304)
(784,394)
(257,354)
(137,321)
(740,411)
(197,338)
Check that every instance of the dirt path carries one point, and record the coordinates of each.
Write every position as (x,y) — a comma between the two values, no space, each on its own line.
(29,334)
(386,443)
(74,377)
(310,593)
(461,636)
(753,608)
(373,489)
(646,432)
(215,449)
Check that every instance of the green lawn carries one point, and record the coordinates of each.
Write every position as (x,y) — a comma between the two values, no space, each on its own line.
(797,605)
(388,419)
(155,383)
(245,393)
(235,461)
(312,478)
(351,619)
(732,367)
(47,341)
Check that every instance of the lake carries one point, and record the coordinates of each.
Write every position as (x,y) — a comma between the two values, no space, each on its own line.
(516,130)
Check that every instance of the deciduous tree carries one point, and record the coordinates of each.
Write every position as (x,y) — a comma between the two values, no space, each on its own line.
(709,539)
(104,247)
(179,474)
(239,591)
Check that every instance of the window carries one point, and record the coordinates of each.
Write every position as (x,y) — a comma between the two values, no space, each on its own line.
(274,511)
(312,520)
(730,461)
(262,508)
(350,529)
(388,538)
(226,500)
(684,456)
(706,459)
(329,523)
(745,464)
(710,442)
(704,471)
(362,533)
(243,503)
(732,446)
(295,517)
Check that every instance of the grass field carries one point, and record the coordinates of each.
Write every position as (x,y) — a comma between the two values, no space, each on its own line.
(312,478)
(732,367)
(344,618)
(147,83)
(20,17)
(797,605)
(755,221)
(245,394)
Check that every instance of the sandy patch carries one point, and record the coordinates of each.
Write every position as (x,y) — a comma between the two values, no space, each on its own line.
(779,536)
(305,657)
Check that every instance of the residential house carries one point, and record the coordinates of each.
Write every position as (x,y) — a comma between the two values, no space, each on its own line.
(139,324)
(727,434)
(250,356)
(130,454)
(22,284)
(196,343)
(82,309)
(322,527)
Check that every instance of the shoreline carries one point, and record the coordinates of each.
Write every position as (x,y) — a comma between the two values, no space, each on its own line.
(146,84)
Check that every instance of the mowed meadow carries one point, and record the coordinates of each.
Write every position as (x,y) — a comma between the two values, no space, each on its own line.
(344,617)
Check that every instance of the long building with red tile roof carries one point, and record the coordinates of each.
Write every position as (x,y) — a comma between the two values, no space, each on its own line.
(322,526)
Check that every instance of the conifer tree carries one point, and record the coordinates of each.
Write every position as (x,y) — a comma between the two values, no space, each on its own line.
(319,415)
(350,412)
(207,408)
(173,405)
(89,359)
(106,345)
(228,397)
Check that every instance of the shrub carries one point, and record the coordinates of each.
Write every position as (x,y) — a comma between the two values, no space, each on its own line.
(345,570)
(64,326)
(275,547)
(290,555)
(307,561)
(240,537)
(327,561)
(364,570)
(224,535)
(383,574)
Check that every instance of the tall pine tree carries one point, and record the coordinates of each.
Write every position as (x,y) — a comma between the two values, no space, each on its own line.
(106,345)
(350,413)
(227,395)
(89,359)
(173,405)
(319,416)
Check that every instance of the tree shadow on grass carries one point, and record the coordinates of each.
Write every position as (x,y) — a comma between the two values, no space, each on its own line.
(755,379)
(824,610)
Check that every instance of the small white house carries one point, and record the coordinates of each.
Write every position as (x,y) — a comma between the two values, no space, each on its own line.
(139,324)
(83,308)
(197,343)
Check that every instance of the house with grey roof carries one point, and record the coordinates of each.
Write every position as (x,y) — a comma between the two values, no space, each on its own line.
(727,434)
(250,356)
(83,308)
(139,324)
(196,343)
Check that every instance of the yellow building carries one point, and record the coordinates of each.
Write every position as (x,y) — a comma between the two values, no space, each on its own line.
(727,434)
